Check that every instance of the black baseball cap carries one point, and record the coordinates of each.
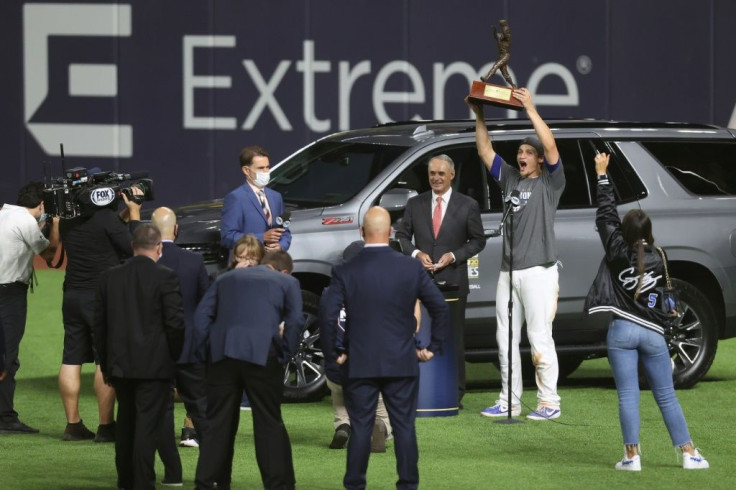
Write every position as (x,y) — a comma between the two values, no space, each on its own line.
(535,143)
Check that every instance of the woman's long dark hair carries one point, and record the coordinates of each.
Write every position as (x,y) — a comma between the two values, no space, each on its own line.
(636,229)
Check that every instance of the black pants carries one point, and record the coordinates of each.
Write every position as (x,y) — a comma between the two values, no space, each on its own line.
(226,381)
(191,383)
(192,387)
(141,409)
(13,308)
(167,447)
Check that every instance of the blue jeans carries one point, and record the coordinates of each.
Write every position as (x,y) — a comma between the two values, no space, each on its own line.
(629,343)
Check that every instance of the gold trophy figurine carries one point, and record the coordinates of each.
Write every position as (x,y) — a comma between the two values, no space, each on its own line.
(487,93)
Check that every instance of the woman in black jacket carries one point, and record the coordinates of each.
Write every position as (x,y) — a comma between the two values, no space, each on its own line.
(626,285)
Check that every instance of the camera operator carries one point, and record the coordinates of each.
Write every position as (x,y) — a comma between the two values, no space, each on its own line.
(20,239)
(93,243)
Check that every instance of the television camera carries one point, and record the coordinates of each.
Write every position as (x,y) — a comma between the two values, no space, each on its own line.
(79,193)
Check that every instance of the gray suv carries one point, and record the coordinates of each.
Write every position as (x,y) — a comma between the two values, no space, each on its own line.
(683,175)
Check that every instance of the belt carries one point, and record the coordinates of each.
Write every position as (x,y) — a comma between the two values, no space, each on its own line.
(14,285)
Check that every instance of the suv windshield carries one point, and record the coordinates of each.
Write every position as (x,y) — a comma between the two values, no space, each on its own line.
(329,173)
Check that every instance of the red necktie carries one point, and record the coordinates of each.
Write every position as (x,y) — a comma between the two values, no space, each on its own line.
(437,217)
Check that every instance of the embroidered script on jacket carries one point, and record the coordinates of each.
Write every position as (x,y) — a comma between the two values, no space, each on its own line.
(630,280)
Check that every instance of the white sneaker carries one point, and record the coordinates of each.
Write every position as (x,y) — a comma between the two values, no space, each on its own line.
(694,461)
(544,413)
(500,410)
(633,464)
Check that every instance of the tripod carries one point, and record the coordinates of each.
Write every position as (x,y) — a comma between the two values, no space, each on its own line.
(511,201)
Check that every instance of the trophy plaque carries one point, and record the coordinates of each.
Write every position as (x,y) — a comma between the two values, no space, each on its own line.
(482,92)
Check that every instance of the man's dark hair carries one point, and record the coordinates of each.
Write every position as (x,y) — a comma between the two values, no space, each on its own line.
(146,237)
(279,260)
(30,195)
(247,154)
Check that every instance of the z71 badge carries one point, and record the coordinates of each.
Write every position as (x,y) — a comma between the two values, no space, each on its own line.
(340,220)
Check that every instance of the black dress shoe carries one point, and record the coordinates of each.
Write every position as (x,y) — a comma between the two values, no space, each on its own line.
(16,427)
(77,432)
(340,439)
(105,433)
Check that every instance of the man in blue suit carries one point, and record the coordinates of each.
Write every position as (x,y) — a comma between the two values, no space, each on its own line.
(190,374)
(254,208)
(237,326)
(379,288)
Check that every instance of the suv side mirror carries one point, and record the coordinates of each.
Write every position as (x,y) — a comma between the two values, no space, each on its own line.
(396,199)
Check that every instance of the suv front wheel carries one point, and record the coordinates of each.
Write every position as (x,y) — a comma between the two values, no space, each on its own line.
(304,377)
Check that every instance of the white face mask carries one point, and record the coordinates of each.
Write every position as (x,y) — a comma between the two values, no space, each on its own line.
(43,217)
(262,179)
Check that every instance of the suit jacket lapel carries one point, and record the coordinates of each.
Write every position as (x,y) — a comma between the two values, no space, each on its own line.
(426,212)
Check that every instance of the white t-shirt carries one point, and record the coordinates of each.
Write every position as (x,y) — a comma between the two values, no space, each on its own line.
(20,240)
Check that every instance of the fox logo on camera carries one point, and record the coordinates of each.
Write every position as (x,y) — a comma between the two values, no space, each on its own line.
(102,196)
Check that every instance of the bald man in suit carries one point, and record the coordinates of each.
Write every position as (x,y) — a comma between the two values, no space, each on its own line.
(379,288)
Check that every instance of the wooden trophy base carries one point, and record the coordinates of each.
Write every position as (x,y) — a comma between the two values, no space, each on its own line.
(490,94)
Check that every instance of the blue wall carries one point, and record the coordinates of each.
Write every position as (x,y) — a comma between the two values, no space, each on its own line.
(178,87)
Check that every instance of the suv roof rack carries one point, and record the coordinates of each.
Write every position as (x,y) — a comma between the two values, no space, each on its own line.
(554,123)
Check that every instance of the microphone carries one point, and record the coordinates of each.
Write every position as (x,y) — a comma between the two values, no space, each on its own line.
(511,201)
(135,175)
(513,198)
(283,220)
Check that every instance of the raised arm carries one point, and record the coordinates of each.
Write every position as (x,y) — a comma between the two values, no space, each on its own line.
(540,127)
(607,220)
(482,138)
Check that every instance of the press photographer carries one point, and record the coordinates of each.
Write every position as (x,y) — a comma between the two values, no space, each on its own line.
(20,241)
(95,237)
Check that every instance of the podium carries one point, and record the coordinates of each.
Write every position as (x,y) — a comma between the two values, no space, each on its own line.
(438,377)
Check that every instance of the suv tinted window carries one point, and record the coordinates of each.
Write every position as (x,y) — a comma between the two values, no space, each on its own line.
(626,183)
(470,175)
(330,173)
(703,168)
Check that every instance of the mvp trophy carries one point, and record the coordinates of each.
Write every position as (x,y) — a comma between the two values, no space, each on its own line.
(498,95)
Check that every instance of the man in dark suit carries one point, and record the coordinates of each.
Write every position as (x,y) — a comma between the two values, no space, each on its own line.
(138,334)
(237,326)
(379,288)
(190,374)
(447,231)
(254,208)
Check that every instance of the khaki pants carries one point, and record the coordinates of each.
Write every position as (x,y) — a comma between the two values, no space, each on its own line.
(341,414)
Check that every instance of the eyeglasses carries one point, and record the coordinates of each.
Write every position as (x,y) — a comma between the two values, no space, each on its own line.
(246,258)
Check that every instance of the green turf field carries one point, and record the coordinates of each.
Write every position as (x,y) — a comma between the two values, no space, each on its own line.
(463,452)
